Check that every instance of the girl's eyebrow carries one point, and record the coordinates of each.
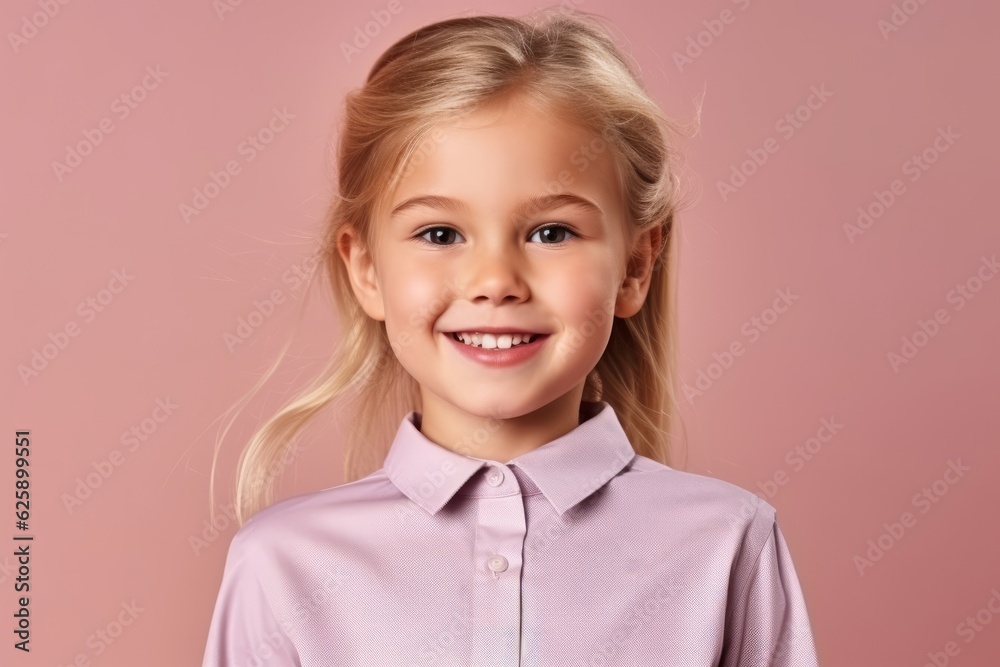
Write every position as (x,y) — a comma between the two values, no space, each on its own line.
(527,205)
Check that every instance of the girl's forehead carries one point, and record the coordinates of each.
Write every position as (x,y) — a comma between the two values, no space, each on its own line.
(528,140)
(495,155)
(517,108)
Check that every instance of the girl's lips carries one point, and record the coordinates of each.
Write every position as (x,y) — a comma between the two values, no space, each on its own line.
(499,358)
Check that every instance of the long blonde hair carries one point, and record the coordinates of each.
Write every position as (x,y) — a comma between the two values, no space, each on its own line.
(440,73)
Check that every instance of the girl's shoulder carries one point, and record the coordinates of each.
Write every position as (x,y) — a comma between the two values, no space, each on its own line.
(699,495)
(295,515)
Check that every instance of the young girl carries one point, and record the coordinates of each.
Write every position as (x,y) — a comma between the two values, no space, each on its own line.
(499,254)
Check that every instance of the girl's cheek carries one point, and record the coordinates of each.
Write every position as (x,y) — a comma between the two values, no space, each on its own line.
(580,282)
(418,298)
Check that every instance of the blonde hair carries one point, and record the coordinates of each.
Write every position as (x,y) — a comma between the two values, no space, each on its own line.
(438,73)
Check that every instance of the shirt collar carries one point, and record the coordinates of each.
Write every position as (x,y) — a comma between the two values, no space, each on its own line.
(566,470)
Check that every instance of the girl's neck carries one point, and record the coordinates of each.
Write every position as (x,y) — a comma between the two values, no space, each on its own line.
(492,437)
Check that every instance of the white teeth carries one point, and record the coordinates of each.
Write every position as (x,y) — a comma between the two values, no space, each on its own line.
(494,341)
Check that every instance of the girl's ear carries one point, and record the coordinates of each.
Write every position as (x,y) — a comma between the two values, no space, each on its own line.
(632,293)
(361,269)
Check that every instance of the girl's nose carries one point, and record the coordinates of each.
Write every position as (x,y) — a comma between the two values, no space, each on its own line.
(495,275)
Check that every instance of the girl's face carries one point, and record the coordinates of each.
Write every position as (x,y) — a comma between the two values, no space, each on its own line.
(525,231)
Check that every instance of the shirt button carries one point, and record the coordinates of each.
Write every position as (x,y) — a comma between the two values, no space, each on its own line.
(498,563)
(495,477)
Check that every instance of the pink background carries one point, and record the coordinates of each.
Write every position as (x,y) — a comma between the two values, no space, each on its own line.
(161,336)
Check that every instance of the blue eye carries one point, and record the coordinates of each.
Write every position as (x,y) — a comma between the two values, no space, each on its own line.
(440,231)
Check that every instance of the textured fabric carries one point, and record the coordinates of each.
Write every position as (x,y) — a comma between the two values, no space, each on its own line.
(578,553)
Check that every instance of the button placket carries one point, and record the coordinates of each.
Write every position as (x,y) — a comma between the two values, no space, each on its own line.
(500,535)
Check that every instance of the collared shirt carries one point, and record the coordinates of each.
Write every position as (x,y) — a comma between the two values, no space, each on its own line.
(576,553)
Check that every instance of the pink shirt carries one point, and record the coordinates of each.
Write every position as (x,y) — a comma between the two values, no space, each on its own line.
(574,554)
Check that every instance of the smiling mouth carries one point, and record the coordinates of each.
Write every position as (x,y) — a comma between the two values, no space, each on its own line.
(495,341)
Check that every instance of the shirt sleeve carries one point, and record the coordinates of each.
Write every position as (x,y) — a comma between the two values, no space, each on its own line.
(767,623)
(244,630)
